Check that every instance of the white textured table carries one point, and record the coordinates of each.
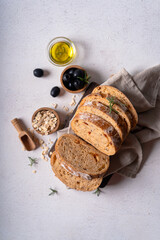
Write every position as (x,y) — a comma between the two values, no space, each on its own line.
(108,35)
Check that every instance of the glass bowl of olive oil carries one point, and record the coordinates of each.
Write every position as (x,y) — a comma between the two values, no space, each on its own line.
(61,51)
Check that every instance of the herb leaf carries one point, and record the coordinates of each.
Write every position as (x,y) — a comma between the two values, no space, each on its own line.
(97,192)
(32,161)
(111,103)
(85,79)
(53,191)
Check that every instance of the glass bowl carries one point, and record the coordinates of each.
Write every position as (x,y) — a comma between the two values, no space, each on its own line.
(61,51)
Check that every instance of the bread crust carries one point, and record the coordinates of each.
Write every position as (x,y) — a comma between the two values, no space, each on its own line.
(106,91)
(103,111)
(122,111)
(71,181)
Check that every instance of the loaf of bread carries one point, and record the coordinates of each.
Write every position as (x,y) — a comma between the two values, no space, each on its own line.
(81,157)
(109,91)
(121,110)
(103,119)
(103,111)
(96,131)
(71,180)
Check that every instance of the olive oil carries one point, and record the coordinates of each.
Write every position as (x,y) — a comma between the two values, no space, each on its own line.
(62,53)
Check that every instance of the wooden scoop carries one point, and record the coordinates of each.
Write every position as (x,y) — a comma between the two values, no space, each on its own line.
(24,136)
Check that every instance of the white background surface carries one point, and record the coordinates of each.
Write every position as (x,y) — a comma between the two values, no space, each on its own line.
(108,35)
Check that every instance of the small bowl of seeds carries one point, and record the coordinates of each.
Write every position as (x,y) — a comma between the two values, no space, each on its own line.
(45,121)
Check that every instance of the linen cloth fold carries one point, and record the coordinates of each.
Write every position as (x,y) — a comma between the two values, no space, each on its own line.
(143,90)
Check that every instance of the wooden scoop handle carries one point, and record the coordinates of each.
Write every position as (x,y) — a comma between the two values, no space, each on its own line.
(17,124)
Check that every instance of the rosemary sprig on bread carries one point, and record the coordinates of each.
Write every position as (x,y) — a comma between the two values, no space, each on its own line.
(111,103)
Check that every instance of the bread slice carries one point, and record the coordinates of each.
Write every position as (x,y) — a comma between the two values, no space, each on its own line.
(121,110)
(96,131)
(107,91)
(70,180)
(103,111)
(80,156)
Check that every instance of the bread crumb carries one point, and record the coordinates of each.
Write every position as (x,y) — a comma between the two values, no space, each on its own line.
(41,141)
(34,171)
(55,105)
(73,101)
(66,108)
(69,113)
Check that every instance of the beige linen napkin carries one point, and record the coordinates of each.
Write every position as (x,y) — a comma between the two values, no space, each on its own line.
(143,92)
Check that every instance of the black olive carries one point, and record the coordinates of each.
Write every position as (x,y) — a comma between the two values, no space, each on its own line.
(38,72)
(78,84)
(79,73)
(71,86)
(55,91)
(71,71)
(66,77)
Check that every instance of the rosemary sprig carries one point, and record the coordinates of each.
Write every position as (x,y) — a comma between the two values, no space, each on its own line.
(97,192)
(111,103)
(32,161)
(85,78)
(53,191)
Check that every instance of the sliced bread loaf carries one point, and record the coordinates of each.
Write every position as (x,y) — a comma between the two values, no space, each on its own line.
(103,111)
(80,156)
(70,180)
(96,131)
(121,110)
(109,91)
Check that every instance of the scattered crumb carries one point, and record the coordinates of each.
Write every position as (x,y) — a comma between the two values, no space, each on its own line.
(69,113)
(34,171)
(42,157)
(44,152)
(111,75)
(55,105)
(66,108)
(50,141)
(46,159)
(41,141)
(50,153)
(73,101)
